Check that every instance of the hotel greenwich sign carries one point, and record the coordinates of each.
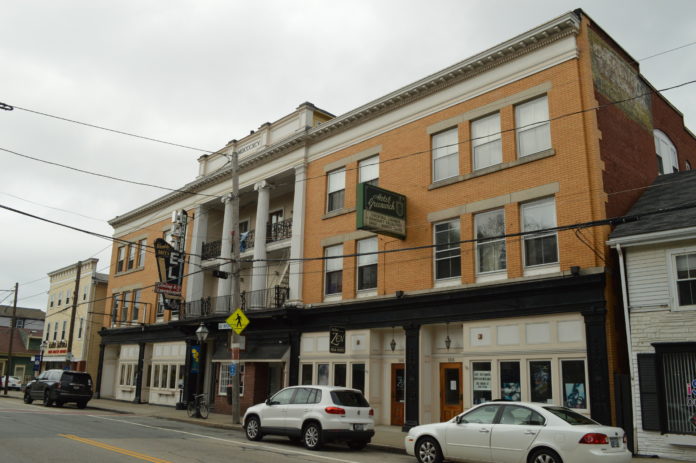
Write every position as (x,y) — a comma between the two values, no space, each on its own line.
(381,211)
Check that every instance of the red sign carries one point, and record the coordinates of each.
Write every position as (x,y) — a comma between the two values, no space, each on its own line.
(170,290)
(62,351)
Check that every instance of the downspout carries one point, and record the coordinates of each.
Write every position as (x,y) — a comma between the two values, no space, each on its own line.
(629,343)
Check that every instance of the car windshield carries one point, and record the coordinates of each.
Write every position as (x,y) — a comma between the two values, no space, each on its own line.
(76,378)
(569,416)
(349,398)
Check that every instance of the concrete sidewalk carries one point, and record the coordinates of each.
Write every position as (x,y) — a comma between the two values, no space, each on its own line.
(387,438)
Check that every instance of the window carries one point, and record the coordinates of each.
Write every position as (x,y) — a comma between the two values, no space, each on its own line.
(114,308)
(307,373)
(51,300)
(510,386)
(120,259)
(520,416)
(19,323)
(336,190)
(540,381)
(541,248)
(485,143)
(333,269)
(62,332)
(323,374)
(124,306)
(79,330)
(686,279)
(533,126)
(67,297)
(482,415)
(132,250)
(573,384)
(60,297)
(445,149)
(135,313)
(369,171)
(367,264)
(84,293)
(48,331)
(284,396)
(358,376)
(490,246)
(142,249)
(667,161)
(55,330)
(339,374)
(447,250)
(481,387)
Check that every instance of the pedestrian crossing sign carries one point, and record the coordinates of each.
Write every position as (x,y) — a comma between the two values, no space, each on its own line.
(237,321)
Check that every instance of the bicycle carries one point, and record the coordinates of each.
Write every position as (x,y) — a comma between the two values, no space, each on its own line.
(198,407)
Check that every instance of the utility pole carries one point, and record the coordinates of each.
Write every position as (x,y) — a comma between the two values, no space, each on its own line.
(12,330)
(235,283)
(68,355)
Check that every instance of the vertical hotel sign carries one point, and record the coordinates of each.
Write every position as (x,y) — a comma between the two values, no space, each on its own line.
(381,211)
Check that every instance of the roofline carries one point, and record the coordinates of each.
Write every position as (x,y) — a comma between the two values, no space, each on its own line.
(68,267)
(645,239)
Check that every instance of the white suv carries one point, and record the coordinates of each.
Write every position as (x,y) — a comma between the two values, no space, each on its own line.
(314,415)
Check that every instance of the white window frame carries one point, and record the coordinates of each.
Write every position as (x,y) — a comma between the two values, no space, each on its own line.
(132,255)
(335,185)
(525,238)
(486,140)
(142,250)
(332,266)
(224,379)
(121,259)
(667,159)
(445,150)
(537,123)
(368,170)
(672,255)
(365,246)
(488,242)
(454,224)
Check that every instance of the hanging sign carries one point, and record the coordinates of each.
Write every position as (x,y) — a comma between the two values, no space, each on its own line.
(381,211)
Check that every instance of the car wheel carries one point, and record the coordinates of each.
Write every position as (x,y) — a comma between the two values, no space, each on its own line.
(428,451)
(357,444)
(81,404)
(311,436)
(27,398)
(47,399)
(253,429)
(545,456)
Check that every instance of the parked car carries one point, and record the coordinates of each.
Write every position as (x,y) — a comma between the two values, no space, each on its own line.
(59,387)
(12,383)
(313,415)
(518,432)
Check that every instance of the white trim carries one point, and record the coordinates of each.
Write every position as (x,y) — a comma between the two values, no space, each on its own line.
(644,239)
(671,255)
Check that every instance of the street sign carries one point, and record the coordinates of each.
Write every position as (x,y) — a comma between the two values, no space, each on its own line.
(224,326)
(233,369)
(237,321)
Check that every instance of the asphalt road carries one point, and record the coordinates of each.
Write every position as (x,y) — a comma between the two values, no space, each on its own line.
(33,433)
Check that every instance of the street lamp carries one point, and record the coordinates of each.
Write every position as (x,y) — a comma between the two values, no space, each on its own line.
(44,345)
(202,333)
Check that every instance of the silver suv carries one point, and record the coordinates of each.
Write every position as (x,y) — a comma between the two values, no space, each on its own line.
(314,415)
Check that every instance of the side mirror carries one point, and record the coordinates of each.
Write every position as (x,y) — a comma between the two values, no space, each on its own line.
(268,402)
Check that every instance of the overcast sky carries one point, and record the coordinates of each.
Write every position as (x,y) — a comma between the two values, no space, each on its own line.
(203,72)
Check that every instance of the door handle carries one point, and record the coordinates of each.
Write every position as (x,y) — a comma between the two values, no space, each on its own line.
(530,433)
(484,430)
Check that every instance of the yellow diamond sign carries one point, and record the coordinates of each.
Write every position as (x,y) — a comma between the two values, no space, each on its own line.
(237,321)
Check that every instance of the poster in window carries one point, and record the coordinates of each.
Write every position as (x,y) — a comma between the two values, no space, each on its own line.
(540,374)
(510,386)
(482,382)
(575,395)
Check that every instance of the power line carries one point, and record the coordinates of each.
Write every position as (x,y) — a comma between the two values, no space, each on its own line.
(667,51)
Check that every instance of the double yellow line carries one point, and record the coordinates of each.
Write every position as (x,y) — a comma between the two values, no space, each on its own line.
(131,453)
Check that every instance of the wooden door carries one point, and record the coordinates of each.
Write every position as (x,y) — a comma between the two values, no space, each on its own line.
(450,390)
(398,393)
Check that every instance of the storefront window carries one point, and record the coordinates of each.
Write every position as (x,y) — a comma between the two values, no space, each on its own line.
(226,379)
(156,381)
(359,376)
(481,386)
(574,389)
(510,387)
(540,381)
(680,391)
(323,374)
(172,377)
(340,374)
(307,373)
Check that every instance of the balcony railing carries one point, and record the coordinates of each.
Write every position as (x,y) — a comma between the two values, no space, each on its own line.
(264,299)
(274,232)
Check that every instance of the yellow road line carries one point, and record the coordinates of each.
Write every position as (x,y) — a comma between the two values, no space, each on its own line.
(131,453)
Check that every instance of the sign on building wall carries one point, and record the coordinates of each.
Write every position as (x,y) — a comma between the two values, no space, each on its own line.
(381,211)
(337,340)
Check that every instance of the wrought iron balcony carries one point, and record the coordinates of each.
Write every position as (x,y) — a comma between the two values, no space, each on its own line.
(265,299)
(274,232)
(211,249)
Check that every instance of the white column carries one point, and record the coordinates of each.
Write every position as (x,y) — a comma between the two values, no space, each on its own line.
(225,285)
(194,288)
(297,241)
(258,279)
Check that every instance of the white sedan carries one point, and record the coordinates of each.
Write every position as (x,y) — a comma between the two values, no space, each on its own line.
(13,383)
(518,432)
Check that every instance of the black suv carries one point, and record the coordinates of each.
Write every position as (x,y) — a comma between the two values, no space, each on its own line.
(59,387)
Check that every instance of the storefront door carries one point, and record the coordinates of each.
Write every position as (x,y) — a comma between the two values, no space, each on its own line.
(398,394)
(450,390)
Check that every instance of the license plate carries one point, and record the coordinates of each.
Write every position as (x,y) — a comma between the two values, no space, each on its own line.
(358,427)
(614,441)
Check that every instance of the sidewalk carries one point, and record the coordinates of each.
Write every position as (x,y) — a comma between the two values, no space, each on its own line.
(387,438)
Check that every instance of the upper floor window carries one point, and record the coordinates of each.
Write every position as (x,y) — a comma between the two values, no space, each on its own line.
(369,171)
(533,126)
(667,161)
(142,248)
(485,143)
(540,248)
(121,258)
(686,278)
(336,190)
(445,149)
(84,293)
(367,264)
(79,332)
(55,330)
(51,300)
(62,332)
(333,270)
(124,306)
(448,257)
(48,330)
(114,308)
(135,312)
(60,297)
(67,297)
(132,251)
(19,323)
(490,244)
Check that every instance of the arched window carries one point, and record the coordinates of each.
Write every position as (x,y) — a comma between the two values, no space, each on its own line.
(666,153)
